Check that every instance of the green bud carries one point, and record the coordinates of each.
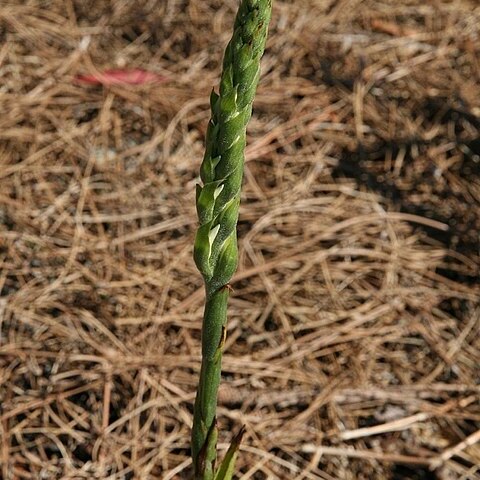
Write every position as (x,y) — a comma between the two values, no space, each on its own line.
(226,264)
(202,250)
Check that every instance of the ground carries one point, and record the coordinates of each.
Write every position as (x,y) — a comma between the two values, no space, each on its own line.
(353,344)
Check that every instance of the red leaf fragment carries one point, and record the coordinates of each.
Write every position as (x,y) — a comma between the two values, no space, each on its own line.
(120,77)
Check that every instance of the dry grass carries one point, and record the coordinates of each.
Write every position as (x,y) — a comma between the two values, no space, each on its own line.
(353,348)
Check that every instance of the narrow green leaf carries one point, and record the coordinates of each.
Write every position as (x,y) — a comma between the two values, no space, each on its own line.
(227,467)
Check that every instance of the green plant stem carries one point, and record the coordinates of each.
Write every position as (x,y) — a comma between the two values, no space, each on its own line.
(204,428)
(218,201)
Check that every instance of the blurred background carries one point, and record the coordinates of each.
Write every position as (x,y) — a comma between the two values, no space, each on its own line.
(353,339)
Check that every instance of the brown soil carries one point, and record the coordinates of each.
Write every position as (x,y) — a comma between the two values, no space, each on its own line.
(353,346)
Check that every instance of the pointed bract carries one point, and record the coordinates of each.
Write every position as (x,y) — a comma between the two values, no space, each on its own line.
(226,469)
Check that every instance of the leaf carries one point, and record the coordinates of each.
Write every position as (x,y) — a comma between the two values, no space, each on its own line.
(208,453)
(120,77)
(226,469)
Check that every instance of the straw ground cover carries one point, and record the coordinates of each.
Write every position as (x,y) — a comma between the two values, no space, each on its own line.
(353,344)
